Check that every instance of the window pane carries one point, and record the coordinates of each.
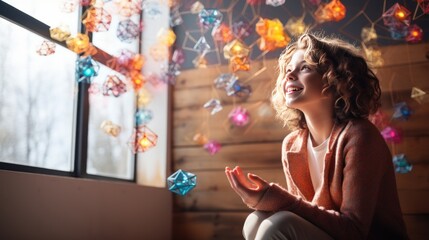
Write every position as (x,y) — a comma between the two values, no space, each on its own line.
(49,12)
(37,96)
(110,155)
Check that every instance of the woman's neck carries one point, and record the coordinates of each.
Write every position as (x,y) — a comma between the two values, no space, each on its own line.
(320,125)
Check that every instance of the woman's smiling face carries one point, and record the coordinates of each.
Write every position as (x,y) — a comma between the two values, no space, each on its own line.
(302,83)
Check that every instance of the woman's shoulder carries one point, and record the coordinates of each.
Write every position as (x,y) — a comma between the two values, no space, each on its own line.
(292,137)
(361,126)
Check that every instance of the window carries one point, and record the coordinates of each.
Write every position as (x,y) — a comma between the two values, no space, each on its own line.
(49,122)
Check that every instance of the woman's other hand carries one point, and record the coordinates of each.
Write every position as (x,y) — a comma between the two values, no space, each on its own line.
(250,188)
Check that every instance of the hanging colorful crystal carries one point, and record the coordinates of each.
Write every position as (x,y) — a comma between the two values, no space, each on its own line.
(401,111)
(236,48)
(415,34)
(239,64)
(152,9)
(272,34)
(224,80)
(78,44)
(401,164)
(424,5)
(390,134)
(418,95)
(68,6)
(46,48)
(212,147)
(373,55)
(97,20)
(296,26)
(60,33)
(202,46)
(166,37)
(143,116)
(210,18)
(143,139)
(181,182)
(127,8)
(336,10)
(137,79)
(110,128)
(396,16)
(86,69)
(239,117)
(114,86)
(213,105)
(275,3)
(222,33)
(200,61)
(127,30)
(175,17)
(236,88)
(170,74)
(398,33)
(143,98)
(368,35)
(178,57)
(200,138)
(196,7)
(241,29)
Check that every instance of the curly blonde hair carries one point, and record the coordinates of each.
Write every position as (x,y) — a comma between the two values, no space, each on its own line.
(344,71)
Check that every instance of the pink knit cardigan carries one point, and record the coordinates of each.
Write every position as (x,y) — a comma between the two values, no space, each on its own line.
(357,199)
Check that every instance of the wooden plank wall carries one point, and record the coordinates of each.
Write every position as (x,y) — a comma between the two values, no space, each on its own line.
(213,211)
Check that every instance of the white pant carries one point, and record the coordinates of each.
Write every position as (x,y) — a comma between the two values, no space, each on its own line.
(280,225)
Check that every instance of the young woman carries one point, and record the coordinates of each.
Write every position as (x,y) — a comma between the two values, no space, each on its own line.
(340,181)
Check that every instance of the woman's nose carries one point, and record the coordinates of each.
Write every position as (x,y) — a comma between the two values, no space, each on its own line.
(290,76)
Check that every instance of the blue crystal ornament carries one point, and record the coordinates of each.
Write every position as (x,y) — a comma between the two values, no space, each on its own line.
(401,164)
(210,18)
(402,111)
(143,117)
(86,68)
(236,88)
(181,182)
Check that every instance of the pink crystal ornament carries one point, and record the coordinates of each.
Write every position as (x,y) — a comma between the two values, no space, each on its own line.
(390,134)
(212,147)
(239,117)
(424,5)
(114,86)
(46,48)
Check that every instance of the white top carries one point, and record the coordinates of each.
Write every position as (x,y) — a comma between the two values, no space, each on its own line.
(316,157)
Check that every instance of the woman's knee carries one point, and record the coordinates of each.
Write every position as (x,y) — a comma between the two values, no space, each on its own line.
(252,223)
(281,225)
